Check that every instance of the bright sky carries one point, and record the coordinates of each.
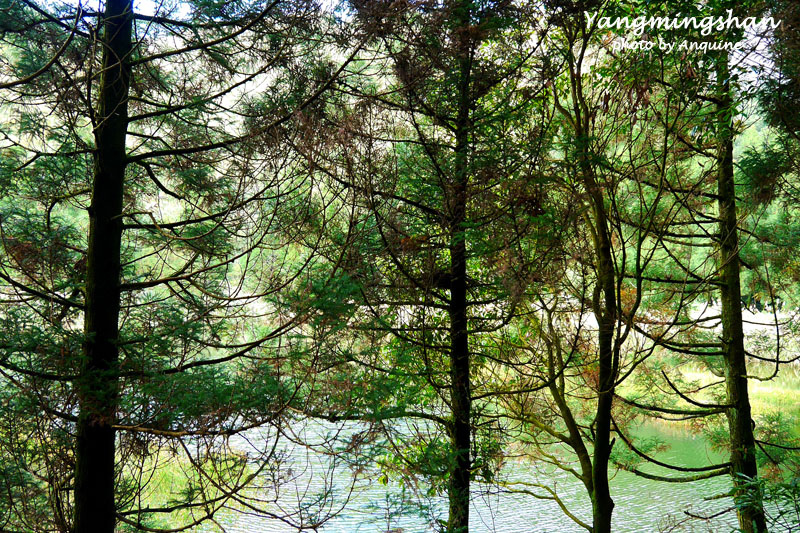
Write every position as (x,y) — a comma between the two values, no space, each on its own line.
(150,7)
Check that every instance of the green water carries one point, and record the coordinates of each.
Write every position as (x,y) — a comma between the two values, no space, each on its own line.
(642,505)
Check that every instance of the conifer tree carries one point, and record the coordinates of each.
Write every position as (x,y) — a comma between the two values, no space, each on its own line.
(435,150)
(145,234)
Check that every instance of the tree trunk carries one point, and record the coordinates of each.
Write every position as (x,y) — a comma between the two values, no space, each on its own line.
(604,305)
(460,395)
(605,309)
(743,458)
(97,385)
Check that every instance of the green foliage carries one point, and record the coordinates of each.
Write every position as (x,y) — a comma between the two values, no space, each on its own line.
(762,169)
(781,429)
(284,258)
(781,500)
(627,459)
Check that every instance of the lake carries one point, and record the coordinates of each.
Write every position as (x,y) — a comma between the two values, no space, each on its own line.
(642,505)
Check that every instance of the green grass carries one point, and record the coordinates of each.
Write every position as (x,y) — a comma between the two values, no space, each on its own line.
(778,394)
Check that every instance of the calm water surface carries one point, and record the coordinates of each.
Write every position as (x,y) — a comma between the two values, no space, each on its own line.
(641,505)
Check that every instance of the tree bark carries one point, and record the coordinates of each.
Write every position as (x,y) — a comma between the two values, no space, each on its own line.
(740,422)
(97,386)
(605,310)
(460,396)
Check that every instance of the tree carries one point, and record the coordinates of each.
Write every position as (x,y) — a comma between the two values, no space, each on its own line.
(713,86)
(614,138)
(740,419)
(437,160)
(145,214)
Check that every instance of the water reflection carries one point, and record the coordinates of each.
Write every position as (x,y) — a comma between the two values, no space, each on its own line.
(642,505)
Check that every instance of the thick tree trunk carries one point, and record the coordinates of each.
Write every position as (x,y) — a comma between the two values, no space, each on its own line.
(98,382)
(460,393)
(460,396)
(740,423)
